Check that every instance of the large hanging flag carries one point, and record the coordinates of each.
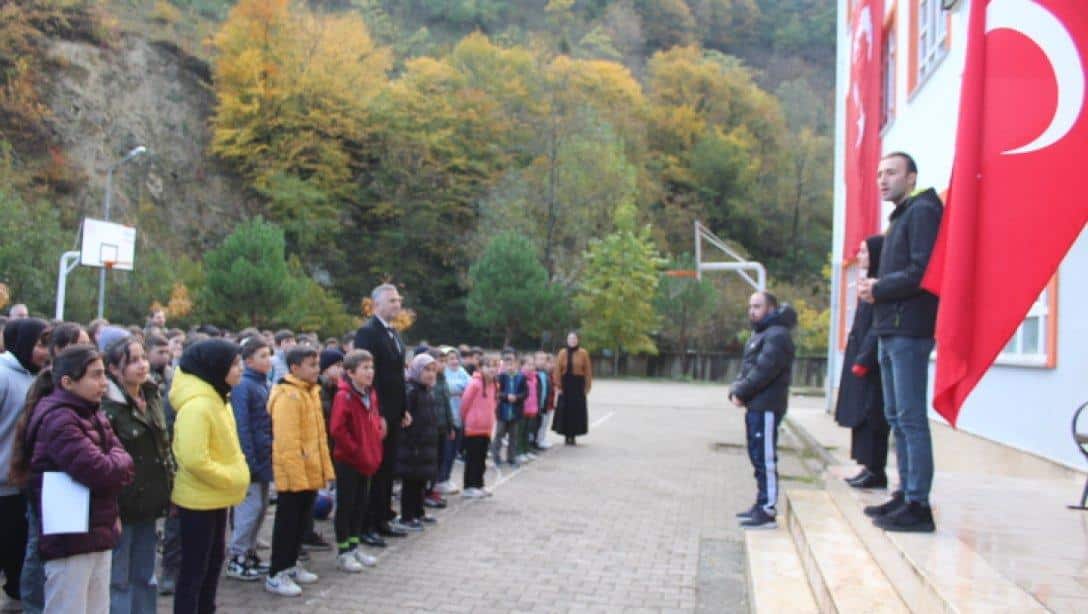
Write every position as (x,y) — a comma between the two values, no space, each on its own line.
(862,149)
(1016,201)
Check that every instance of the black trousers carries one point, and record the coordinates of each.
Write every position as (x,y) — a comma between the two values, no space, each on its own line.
(379,505)
(475,456)
(352,490)
(289,527)
(12,541)
(203,550)
(411,498)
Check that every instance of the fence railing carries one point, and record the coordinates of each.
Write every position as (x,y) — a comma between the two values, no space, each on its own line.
(707,366)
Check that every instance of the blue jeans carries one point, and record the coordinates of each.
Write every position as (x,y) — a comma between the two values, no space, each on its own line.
(32,582)
(904,367)
(449,451)
(762,430)
(133,589)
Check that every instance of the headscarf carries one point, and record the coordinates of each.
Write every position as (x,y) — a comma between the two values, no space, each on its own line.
(211,360)
(108,335)
(571,351)
(875,244)
(418,364)
(20,337)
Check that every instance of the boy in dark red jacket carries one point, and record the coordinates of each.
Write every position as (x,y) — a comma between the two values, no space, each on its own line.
(357,429)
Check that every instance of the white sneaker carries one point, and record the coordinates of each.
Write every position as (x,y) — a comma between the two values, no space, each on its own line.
(521,459)
(543,445)
(472,493)
(364,558)
(299,574)
(281,584)
(486,492)
(532,457)
(347,562)
(447,488)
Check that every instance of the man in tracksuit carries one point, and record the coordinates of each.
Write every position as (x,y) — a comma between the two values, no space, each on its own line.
(904,318)
(763,390)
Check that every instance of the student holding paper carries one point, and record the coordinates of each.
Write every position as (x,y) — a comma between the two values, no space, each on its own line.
(76,459)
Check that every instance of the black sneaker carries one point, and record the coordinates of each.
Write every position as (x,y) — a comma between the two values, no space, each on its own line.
(372,539)
(746,514)
(760,519)
(239,569)
(314,541)
(255,561)
(888,507)
(913,517)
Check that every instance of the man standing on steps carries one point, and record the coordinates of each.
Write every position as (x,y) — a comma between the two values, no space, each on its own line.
(763,390)
(904,319)
(379,338)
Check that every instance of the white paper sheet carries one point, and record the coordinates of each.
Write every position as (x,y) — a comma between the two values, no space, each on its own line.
(66,504)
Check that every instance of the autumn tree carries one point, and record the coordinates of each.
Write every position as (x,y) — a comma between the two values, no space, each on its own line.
(616,296)
(293,90)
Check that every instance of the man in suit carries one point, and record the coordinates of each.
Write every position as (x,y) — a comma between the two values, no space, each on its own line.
(379,337)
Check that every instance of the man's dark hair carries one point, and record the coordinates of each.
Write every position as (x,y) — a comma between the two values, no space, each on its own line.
(299,353)
(210,330)
(772,300)
(283,335)
(155,340)
(251,344)
(911,166)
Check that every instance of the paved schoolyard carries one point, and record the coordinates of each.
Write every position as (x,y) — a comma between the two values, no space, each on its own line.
(637,518)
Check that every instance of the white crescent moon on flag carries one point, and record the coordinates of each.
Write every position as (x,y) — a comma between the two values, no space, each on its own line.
(1046,31)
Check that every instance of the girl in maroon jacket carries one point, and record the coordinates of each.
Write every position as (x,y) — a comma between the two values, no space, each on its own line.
(71,435)
(357,429)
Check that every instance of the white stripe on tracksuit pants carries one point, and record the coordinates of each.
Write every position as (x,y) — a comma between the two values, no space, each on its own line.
(762,431)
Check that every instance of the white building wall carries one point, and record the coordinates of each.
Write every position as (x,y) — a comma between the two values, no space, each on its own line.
(1028,408)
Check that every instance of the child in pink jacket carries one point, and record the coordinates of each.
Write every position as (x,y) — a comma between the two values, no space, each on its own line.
(478,405)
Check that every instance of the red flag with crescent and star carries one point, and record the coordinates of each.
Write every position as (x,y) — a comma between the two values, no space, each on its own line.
(1016,201)
(862,151)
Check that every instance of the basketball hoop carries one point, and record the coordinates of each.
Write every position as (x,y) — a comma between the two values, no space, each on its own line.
(683,273)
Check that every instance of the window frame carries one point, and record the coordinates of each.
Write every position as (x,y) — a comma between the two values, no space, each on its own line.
(934,55)
(1046,308)
(889,67)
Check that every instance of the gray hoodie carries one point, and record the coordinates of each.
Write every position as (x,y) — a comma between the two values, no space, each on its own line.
(15,380)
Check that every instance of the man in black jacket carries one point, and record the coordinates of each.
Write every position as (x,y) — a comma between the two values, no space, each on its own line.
(904,319)
(763,389)
(383,341)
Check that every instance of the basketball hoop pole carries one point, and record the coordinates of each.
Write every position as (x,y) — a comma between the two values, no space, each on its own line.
(106,212)
(68,261)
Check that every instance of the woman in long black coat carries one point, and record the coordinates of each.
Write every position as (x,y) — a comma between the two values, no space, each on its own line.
(861,400)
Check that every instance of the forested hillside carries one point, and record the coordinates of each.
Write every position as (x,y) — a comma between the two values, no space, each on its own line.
(397,139)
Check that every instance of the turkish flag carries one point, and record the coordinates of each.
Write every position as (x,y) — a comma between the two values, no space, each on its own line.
(863,124)
(1016,203)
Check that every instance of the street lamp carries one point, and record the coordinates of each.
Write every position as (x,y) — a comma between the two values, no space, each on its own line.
(136,151)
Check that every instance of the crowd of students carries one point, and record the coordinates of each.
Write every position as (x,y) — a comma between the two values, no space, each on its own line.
(182,439)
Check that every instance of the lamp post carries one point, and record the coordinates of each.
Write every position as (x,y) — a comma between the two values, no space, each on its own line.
(136,151)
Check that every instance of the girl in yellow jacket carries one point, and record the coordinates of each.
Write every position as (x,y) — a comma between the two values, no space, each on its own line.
(212,475)
(300,465)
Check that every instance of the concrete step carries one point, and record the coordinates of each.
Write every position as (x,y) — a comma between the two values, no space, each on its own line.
(935,572)
(776,579)
(842,575)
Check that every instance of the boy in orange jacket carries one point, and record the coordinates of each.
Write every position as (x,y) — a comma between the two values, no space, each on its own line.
(300,466)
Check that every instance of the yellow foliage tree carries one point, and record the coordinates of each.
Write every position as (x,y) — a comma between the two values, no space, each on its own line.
(293,91)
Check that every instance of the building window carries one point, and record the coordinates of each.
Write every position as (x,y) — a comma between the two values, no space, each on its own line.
(1033,342)
(887,99)
(932,37)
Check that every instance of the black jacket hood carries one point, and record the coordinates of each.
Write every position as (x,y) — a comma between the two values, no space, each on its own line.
(783,316)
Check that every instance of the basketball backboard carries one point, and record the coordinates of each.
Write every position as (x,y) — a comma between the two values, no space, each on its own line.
(107,245)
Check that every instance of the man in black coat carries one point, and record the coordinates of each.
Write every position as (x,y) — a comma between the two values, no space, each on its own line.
(904,318)
(379,338)
(763,390)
